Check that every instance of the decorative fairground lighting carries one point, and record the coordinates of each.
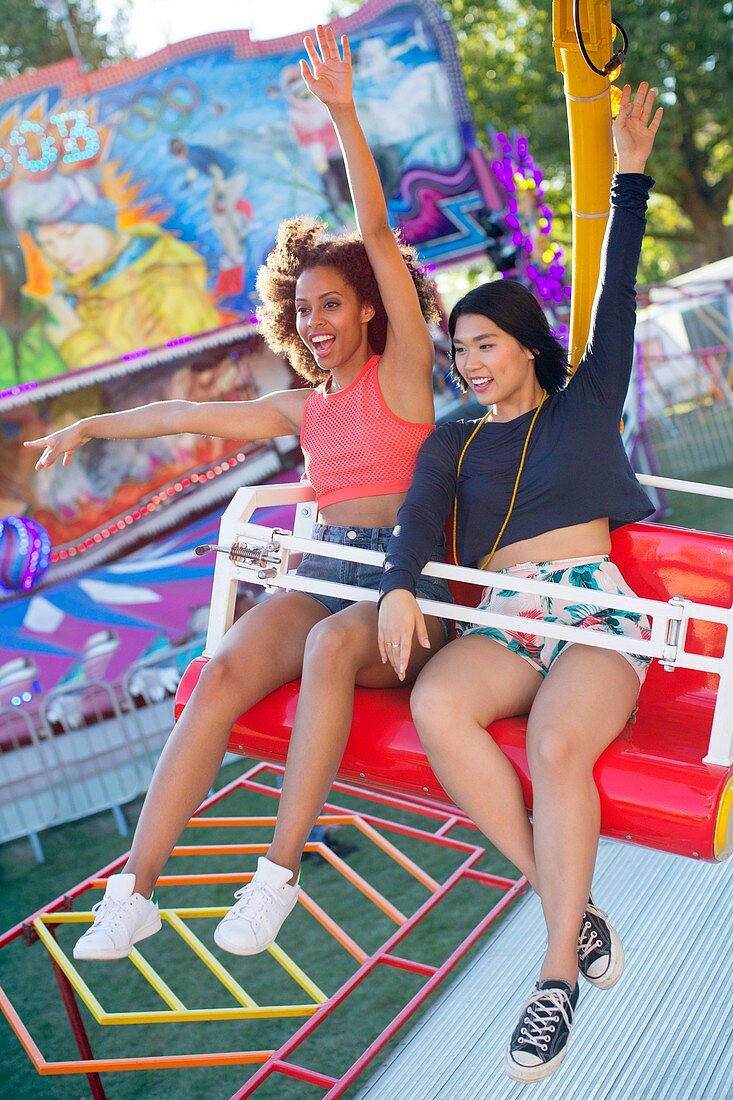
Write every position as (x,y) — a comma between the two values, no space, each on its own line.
(540,260)
(25,552)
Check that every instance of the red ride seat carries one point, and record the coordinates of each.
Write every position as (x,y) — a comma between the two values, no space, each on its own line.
(655,789)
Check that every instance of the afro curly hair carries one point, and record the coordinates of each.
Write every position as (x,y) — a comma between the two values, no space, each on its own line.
(303,243)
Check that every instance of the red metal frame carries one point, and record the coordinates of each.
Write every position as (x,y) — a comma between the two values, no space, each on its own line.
(271,1062)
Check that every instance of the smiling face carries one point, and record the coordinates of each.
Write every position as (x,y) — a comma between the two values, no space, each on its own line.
(330,319)
(493,363)
(75,247)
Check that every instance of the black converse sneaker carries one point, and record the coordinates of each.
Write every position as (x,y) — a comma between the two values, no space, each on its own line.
(600,953)
(540,1039)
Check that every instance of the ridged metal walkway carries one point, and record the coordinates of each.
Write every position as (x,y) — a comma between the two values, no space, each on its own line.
(664,1033)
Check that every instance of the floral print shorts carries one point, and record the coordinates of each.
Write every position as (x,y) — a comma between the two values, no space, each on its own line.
(591,573)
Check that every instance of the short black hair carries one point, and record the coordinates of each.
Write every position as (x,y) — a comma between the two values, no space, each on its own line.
(515,310)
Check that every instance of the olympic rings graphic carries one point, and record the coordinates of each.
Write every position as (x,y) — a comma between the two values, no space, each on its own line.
(167,109)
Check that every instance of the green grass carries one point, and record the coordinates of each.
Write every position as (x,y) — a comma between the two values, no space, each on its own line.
(703,513)
(76,850)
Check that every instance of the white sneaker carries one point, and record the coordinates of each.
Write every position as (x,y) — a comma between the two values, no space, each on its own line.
(122,918)
(252,924)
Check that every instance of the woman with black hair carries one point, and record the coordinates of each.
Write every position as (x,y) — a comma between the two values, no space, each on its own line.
(538,483)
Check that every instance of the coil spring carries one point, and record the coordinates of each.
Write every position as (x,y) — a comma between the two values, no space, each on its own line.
(242,554)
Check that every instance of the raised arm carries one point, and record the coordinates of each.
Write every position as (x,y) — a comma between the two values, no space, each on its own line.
(274,414)
(329,78)
(605,368)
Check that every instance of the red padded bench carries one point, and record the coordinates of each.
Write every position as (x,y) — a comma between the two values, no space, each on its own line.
(655,788)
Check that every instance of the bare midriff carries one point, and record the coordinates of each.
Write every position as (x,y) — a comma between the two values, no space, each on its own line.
(378,511)
(583,540)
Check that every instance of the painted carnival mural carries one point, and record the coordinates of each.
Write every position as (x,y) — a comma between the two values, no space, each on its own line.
(137,202)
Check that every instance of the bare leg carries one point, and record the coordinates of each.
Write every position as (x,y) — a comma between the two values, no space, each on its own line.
(582,705)
(263,650)
(473,682)
(340,652)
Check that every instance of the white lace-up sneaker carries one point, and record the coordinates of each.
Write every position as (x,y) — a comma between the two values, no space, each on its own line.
(252,924)
(121,919)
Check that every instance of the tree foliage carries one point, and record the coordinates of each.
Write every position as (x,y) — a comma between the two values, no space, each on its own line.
(683,47)
(30,37)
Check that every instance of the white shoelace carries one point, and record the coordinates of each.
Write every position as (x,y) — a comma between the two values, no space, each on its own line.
(108,910)
(542,1014)
(589,939)
(253,902)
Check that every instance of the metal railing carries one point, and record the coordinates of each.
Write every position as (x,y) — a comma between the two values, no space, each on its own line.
(261,555)
(90,749)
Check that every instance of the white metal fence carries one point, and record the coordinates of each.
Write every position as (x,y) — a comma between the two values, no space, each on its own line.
(90,748)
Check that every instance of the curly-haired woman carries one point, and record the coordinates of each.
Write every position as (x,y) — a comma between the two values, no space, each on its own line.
(350,313)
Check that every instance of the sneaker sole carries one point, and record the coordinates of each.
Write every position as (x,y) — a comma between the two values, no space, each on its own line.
(99,955)
(614,972)
(233,948)
(529,1074)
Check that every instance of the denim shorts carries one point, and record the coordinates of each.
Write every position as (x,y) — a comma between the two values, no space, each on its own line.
(589,573)
(359,573)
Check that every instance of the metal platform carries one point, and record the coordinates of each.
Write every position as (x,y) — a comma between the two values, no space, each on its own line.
(665,1033)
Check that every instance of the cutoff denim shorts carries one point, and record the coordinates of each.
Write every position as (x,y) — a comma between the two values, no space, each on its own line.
(359,573)
(591,573)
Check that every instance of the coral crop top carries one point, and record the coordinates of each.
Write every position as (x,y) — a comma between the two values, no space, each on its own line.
(354,445)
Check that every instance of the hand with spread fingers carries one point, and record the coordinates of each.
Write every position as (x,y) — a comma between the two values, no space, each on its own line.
(329,75)
(400,619)
(633,132)
(61,443)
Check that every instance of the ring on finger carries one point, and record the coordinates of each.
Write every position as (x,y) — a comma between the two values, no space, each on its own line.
(393,645)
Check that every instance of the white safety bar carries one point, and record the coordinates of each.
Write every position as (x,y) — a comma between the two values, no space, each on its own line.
(261,555)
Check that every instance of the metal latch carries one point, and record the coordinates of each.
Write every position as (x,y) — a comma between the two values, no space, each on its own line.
(253,555)
(676,634)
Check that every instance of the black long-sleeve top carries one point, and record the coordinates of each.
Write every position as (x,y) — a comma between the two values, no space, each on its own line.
(576,469)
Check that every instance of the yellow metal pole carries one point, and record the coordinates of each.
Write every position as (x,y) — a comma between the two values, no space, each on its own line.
(591,148)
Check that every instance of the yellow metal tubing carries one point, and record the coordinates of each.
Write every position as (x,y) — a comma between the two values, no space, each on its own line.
(161,987)
(207,1015)
(69,969)
(298,975)
(591,149)
(213,964)
(723,842)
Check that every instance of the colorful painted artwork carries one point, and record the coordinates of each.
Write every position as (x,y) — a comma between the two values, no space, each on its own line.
(138,202)
(96,626)
(111,484)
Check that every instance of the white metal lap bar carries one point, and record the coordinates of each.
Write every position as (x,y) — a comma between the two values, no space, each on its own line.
(669,619)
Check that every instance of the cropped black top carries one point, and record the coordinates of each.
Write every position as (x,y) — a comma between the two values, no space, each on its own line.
(576,469)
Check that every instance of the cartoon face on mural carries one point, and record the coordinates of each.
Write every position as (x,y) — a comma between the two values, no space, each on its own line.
(112,290)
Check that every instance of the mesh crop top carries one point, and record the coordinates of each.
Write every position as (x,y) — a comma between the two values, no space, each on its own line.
(576,468)
(354,445)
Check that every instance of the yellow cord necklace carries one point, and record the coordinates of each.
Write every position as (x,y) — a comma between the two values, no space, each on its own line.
(489,416)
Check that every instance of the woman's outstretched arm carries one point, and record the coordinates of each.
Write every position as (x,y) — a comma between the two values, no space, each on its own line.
(329,78)
(275,414)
